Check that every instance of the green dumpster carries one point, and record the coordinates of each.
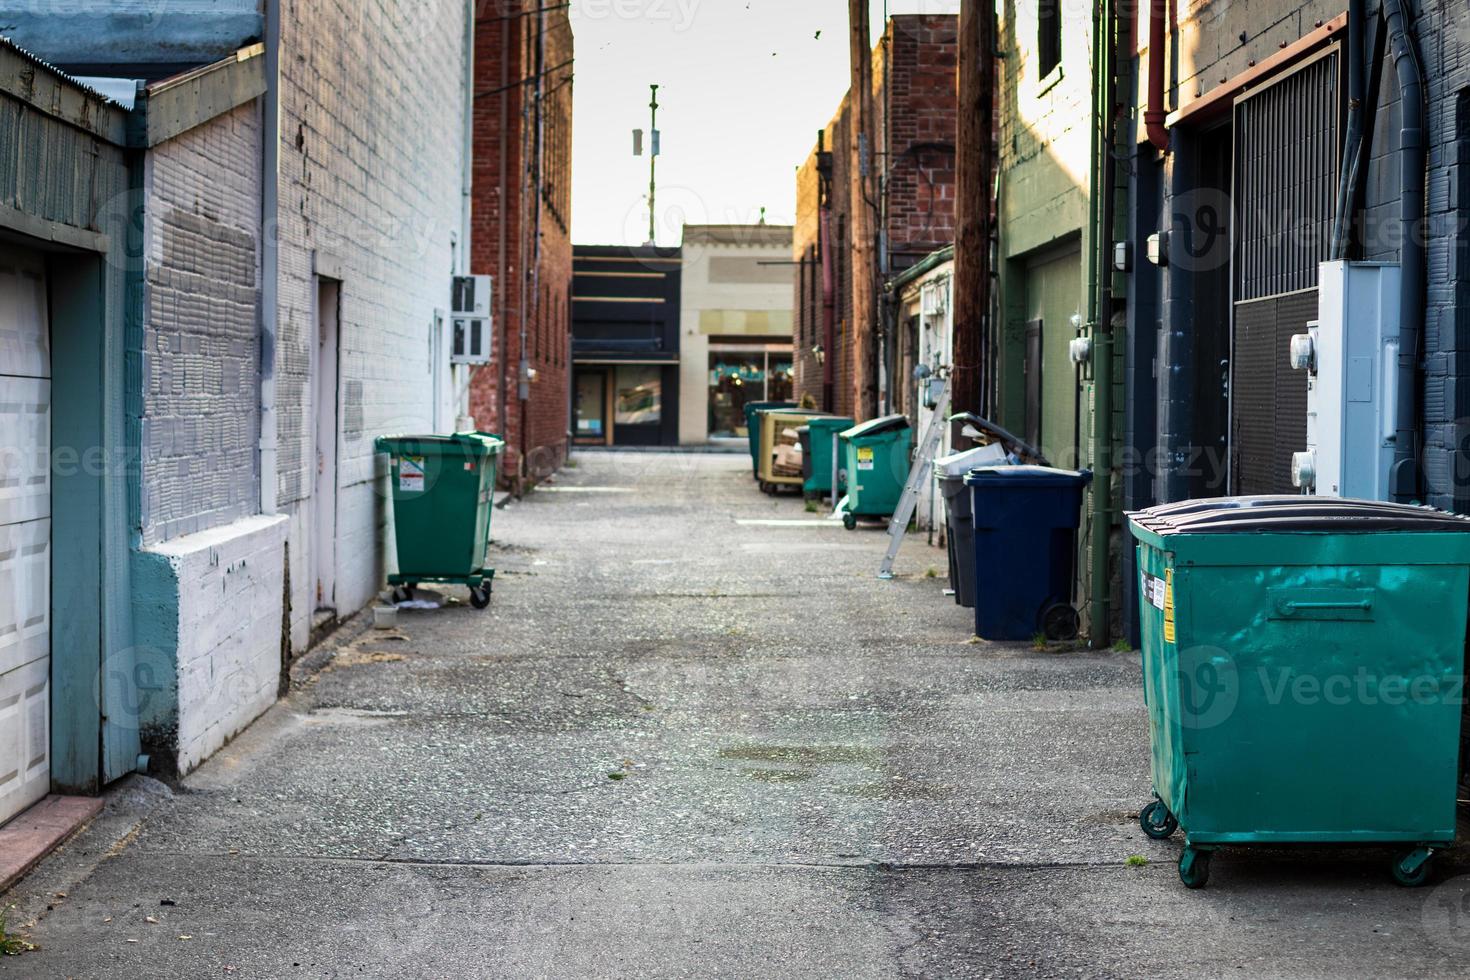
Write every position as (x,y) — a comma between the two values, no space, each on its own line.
(753,431)
(1303,662)
(442,488)
(819,457)
(875,458)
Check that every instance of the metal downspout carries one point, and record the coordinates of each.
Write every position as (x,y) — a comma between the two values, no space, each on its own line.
(270,254)
(1404,477)
(1155,114)
(1347,185)
(829,310)
(1100,316)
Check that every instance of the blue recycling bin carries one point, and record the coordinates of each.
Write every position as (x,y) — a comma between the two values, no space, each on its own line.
(1026,520)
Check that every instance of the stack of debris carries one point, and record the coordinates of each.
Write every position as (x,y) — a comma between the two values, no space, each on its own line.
(786,457)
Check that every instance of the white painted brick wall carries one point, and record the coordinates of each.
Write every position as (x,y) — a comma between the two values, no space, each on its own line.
(202,320)
(372,107)
(228,661)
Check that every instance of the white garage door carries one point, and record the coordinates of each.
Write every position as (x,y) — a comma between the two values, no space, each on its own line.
(25,534)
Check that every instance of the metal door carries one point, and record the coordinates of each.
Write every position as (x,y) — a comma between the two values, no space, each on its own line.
(25,534)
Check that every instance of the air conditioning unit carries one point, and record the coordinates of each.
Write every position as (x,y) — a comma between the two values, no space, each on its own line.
(470,320)
(1350,356)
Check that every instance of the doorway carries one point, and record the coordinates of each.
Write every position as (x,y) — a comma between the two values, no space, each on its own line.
(1053,291)
(324,488)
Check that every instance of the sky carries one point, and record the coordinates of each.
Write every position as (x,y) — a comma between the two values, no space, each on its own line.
(744,86)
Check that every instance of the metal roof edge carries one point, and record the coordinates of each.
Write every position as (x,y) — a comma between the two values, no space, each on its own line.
(65,97)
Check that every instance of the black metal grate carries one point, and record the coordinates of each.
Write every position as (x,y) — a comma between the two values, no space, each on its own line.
(1269,399)
(1287,155)
(1288,149)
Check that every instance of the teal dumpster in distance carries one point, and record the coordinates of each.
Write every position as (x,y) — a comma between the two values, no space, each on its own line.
(442,489)
(753,431)
(875,457)
(1303,664)
(819,453)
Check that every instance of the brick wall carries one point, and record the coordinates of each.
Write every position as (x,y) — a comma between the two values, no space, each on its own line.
(920,122)
(372,116)
(915,118)
(528,297)
(201,356)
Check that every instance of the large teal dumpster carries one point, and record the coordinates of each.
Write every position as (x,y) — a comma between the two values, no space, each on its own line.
(875,457)
(1303,666)
(753,431)
(818,453)
(442,488)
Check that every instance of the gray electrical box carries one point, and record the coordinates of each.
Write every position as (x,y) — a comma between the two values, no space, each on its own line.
(1350,356)
(470,322)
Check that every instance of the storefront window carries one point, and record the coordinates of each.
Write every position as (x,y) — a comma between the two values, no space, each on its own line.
(639,395)
(734,379)
(738,375)
(779,383)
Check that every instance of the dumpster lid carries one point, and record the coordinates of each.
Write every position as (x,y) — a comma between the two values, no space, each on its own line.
(830,422)
(486,441)
(958,464)
(873,427)
(1027,476)
(1291,514)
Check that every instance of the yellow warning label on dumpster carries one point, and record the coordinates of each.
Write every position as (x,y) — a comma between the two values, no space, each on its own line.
(865,457)
(1169,605)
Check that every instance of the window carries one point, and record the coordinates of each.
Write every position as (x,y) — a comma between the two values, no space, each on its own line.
(639,396)
(745,373)
(1048,36)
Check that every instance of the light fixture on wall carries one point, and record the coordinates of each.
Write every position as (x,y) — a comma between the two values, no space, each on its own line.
(819,354)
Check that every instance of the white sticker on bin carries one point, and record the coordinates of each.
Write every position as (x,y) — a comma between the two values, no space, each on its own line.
(1154,590)
(411,474)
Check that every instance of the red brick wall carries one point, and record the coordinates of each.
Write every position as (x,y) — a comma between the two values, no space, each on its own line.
(503,211)
(916,105)
(922,119)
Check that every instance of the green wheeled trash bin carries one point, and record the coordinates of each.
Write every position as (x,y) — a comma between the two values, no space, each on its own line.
(443,488)
(753,430)
(875,457)
(819,455)
(1303,665)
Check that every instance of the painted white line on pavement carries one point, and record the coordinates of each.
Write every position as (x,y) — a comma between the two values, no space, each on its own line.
(778,523)
(584,490)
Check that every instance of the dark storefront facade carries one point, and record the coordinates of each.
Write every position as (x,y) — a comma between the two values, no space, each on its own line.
(625,345)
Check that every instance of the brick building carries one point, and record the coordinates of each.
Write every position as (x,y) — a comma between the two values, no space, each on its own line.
(265,204)
(521,230)
(914,118)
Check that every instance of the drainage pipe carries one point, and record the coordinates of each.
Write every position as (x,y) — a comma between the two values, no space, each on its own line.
(1404,477)
(1347,184)
(1155,114)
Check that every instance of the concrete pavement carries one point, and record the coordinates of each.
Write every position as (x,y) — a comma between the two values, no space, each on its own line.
(694,736)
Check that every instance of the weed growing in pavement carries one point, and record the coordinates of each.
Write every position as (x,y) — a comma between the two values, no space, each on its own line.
(1038,641)
(11,945)
(931,572)
(1122,646)
(811,507)
(1136,861)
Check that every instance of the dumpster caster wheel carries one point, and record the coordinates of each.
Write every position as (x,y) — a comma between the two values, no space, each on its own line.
(1412,869)
(849,521)
(1194,868)
(480,596)
(1060,621)
(1157,822)
(402,593)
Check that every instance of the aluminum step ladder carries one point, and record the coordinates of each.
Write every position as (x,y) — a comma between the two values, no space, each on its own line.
(919,476)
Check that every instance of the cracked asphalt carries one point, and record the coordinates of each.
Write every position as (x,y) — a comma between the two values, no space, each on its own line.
(688,739)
